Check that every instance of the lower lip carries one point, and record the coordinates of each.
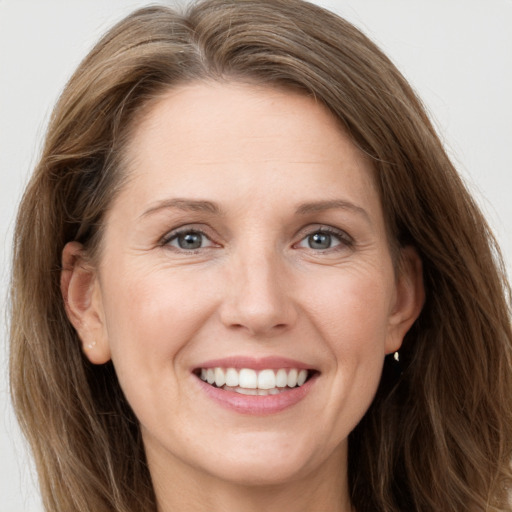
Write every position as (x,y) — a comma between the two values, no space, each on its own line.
(257,404)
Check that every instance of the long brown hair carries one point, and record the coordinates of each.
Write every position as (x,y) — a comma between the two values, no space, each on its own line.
(438,435)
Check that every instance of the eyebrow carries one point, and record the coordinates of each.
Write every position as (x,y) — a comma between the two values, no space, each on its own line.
(185,205)
(334,204)
(210,207)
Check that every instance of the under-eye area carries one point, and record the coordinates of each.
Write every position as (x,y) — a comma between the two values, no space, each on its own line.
(247,381)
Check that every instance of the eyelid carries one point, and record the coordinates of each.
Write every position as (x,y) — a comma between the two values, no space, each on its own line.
(345,239)
(186,228)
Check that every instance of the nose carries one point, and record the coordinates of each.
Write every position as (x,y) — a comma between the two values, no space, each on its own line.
(258,297)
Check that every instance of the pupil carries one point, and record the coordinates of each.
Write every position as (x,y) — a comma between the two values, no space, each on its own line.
(320,241)
(190,241)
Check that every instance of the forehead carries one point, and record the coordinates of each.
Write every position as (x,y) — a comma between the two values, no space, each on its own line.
(221,126)
(242,145)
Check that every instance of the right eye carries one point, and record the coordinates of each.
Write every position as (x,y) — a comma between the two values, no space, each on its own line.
(189,240)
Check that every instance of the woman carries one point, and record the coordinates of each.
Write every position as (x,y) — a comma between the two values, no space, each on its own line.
(243,219)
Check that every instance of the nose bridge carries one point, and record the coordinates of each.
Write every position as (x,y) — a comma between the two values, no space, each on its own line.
(257,299)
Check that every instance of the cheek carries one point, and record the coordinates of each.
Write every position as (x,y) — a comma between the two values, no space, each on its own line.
(150,318)
(353,308)
(352,314)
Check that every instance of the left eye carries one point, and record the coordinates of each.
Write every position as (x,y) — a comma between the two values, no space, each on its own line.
(189,240)
(321,240)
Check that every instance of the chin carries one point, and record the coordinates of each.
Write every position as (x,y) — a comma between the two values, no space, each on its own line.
(258,473)
(267,460)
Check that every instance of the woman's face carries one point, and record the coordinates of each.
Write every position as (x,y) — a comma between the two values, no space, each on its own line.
(249,237)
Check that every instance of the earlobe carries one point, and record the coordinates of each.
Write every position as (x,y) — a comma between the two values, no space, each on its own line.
(82,299)
(410,297)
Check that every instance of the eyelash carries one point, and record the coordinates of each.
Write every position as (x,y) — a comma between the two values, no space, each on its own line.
(174,235)
(345,240)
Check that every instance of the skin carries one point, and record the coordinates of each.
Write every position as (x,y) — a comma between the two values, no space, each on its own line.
(279,169)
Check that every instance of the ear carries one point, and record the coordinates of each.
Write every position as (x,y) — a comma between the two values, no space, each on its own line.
(81,291)
(409,298)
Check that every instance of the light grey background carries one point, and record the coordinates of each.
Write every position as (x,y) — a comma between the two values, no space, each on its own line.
(456,53)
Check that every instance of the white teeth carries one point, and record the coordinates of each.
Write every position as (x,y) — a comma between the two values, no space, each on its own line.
(220,378)
(292,378)
(231,377)
(245,391)
(266,379)
(259,392)
(303,375)
(248,379)
(251,382)
(281,378)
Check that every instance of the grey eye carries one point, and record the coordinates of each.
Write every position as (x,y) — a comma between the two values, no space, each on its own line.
(189,240)
(320,241)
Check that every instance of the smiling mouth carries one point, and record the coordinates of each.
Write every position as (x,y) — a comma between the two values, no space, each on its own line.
(247,381)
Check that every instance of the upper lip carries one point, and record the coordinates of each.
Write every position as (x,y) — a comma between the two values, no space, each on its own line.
(255,363)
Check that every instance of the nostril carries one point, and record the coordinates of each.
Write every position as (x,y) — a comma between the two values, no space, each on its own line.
(257,328)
